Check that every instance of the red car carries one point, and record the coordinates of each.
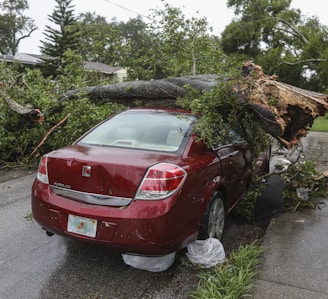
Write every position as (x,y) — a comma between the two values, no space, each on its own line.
(140,182)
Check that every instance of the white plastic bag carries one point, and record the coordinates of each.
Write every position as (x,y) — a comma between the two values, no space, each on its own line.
(206,253)
(149,263)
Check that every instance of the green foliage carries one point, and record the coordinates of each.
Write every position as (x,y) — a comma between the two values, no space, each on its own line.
(170,45)
(100,41)
(14,25)
(58,41)
(320,124)
(221,109)
(301,185)
(19,136)
(233,278)
(71,72)
(143,61)
(185,45)
(281,40)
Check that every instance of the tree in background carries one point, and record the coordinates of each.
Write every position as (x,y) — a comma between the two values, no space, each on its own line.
(186,44)
(58,41)
(128,44)
(99,40)
(279,39)
(141,50)
(14,26)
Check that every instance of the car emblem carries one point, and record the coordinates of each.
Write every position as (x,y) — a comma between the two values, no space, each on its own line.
(86,171)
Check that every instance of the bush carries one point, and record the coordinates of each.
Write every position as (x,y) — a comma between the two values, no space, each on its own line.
(19,136)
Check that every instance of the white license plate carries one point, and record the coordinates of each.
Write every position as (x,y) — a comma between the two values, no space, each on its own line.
(82,226)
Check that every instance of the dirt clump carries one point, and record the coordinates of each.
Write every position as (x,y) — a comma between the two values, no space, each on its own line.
(239,232)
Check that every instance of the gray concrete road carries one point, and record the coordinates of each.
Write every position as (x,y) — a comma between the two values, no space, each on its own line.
(33,265)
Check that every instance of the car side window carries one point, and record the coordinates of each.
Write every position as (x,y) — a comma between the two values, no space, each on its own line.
(231,138)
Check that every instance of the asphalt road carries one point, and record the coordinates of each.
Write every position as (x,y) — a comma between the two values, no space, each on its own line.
(33,265)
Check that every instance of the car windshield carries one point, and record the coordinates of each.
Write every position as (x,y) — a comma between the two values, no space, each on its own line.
(142,129)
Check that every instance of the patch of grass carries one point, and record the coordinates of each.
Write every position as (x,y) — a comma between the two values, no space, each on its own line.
(320,124)
(233,278)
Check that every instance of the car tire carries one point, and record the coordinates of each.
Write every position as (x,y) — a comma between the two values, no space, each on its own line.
(214,218)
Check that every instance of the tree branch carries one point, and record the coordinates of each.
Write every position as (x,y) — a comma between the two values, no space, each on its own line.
(301,61)
(47,135)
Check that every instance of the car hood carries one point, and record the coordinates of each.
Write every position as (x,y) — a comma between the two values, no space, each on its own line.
(102,170)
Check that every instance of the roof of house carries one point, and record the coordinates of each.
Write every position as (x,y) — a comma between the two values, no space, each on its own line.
(34,59)
(100,67)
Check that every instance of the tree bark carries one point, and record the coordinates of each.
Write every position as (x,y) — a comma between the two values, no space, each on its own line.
(153,92)
(279,105)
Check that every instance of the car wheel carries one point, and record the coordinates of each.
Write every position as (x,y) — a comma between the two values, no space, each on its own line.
(214,218)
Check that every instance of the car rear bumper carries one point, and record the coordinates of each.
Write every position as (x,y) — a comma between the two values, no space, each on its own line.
(143,227)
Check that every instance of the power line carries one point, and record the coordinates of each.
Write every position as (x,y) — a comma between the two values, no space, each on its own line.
(127,9)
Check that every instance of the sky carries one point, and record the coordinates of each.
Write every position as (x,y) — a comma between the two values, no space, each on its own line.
(215,11)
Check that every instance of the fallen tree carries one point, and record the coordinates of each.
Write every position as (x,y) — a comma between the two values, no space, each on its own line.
(284,111)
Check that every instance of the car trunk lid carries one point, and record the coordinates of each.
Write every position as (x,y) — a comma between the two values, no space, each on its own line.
(113,172)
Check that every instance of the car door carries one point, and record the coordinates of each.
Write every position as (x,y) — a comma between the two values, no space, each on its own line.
(235,158)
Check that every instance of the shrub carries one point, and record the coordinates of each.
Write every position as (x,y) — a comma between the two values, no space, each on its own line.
(19,136)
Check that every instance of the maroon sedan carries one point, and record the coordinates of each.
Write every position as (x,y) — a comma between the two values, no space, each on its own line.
(140,182)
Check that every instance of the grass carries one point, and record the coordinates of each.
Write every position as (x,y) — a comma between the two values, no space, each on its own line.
(233,278)
(320,124)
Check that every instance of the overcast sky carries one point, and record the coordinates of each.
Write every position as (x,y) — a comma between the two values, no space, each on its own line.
(216,12)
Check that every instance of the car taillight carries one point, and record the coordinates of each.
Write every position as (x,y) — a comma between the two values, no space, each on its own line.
(160,181)
(42,174)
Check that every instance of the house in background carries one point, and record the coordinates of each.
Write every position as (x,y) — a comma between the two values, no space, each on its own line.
(114,74)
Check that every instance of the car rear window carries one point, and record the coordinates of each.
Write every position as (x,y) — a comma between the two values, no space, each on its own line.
(142,129)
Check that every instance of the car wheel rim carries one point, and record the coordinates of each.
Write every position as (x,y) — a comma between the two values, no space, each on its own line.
(216,219)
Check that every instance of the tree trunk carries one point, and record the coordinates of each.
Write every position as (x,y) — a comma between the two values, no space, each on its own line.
(292,109)
(157,92)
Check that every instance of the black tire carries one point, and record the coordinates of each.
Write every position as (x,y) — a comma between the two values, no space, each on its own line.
(214,218)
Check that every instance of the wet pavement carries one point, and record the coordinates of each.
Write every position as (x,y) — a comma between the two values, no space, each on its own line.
(33,265)
(295,260)
(315,147)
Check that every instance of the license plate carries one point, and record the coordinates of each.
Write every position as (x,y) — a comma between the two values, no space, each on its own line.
(82,226)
